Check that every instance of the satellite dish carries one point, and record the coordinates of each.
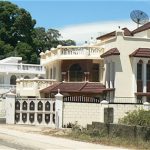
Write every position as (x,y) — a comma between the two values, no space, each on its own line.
(139,17)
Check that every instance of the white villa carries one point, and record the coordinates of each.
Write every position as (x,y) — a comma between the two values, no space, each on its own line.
(12,69)
(116,69)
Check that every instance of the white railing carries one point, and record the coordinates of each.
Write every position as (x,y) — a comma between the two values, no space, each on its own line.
(31,87)
(85,51)
(38,83)
(72,52)
(13,67)
(125,100)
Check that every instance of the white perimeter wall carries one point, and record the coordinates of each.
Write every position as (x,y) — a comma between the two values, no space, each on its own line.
(86,113)
(2,108)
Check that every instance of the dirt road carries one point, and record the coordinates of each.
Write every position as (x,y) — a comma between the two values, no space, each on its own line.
(23,139)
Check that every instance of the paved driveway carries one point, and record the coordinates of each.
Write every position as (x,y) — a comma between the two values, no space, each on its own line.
(12,139)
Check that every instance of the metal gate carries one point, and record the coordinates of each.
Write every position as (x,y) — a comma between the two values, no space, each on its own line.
(35,111)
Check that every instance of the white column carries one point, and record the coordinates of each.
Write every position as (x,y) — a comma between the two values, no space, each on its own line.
(59,110)
(21,112)
(10,108)
(106,75)
(134,82)
(51,114)
(111,74)
(144,78)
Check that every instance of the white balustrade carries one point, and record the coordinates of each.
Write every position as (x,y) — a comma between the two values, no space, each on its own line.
(72,52)
(85,51)
(10,67)
(31,87)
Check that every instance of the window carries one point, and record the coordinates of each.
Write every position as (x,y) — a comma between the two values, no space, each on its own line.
(13,80)
(26,77)
(76,73)
(139,71)
(95,73)
(148,71)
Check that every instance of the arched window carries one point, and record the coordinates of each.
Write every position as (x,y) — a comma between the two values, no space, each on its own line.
(26,77)
(13,80)
(148,70)
(95,73)
(139,70)
(40,77)
(140,76)
(75,73)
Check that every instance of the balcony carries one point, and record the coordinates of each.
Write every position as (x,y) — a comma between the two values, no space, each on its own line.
(21,68)
(31,87)
(72,52)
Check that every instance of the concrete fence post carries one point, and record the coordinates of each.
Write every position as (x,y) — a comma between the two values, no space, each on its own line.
(10,108)
(59,110)
(104,104)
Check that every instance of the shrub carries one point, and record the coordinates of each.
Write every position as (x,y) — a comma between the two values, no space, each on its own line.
(137,117)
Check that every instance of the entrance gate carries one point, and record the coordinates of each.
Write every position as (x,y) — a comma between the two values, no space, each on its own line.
(35,111)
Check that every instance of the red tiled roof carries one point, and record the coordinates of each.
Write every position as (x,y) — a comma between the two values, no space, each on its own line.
(78,87)
(108,35)
(127,32)
(113,51)
(142,28)
(142,94)
(141,52)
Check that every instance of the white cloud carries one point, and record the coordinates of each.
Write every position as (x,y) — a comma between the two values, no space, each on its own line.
(83,32)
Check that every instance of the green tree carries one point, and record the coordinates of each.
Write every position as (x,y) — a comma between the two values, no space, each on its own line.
(44,40)
(67,42)
(25,51)
(16,25)
(18,37)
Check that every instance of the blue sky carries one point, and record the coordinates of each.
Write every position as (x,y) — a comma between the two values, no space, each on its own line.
(74,17)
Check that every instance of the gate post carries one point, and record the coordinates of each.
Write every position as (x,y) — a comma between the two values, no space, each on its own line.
(59,110)
(10,108)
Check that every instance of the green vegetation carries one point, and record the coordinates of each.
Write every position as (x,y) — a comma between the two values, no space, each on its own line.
(117,136)
(137,117)
(19,37)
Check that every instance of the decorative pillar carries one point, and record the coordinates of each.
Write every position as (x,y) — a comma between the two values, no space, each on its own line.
(63,76)
(86,76)
(59,110)
(111,74)
(104,104)
(10,108)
